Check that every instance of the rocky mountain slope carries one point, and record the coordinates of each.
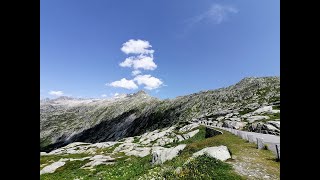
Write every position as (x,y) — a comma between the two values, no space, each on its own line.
(182,151)
(65,120)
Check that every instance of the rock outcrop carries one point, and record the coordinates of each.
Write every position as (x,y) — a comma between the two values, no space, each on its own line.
(219,152)
(52,167)
(159,156)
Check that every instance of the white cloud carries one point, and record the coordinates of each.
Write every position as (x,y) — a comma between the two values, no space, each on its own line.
(56,93)
(139,62)
(128,62)
(124,83)
(216,14)
(144,57)
(103,95)
(149,81)
(144,62)
(116,94)
(135,72)
(136,47)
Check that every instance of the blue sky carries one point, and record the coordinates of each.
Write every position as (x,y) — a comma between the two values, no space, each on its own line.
(174,47)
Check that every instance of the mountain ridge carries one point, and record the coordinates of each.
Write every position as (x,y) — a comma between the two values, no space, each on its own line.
(67,120)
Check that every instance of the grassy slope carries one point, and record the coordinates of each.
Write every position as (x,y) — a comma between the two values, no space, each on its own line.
(202,167)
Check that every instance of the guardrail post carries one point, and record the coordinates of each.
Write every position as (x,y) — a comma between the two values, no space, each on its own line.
(278,151)
(260,143)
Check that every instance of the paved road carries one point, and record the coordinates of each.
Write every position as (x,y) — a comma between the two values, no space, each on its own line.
(268,139)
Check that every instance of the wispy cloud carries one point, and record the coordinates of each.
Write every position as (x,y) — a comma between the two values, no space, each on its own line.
(216,14)
(56,93)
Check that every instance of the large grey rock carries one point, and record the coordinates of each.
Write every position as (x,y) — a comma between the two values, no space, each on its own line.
(190,134)
(270,129)
(266,128)
(125,147)
(252,106)
(52,167)
(128,140)
(132,149)
(229,115)
(43,153)
(76,144)
(147,138)
(266,109)
(219,124)
(235,119)
(103,144)
(218,152)
(98,160)
(275,124)
(139,152)
(247,115)
(220,118)
(79,147)
(163,141)
(263,110)
(251,119)
(180,138)
(233,124)
(214,123)
(160,156)
(188,127)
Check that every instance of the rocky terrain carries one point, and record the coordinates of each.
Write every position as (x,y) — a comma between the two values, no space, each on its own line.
(253,104)
(175,152)
(136,136)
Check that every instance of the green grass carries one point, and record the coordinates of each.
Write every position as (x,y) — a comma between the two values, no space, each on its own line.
(111,149)
(54,158)
(204,167)
(70,170)
(135,139)
(245,111)
(241,151)
(277,107)
(274,116)
(121,170)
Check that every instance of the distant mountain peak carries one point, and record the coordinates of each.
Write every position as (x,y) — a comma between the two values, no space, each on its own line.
(64,98)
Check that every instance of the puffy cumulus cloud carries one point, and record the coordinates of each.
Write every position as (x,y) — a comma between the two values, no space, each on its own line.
(135,72)
(56,93)
(124,83)
(136,47)
(149,81)
(144,62)
(143,58)
(139,62)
